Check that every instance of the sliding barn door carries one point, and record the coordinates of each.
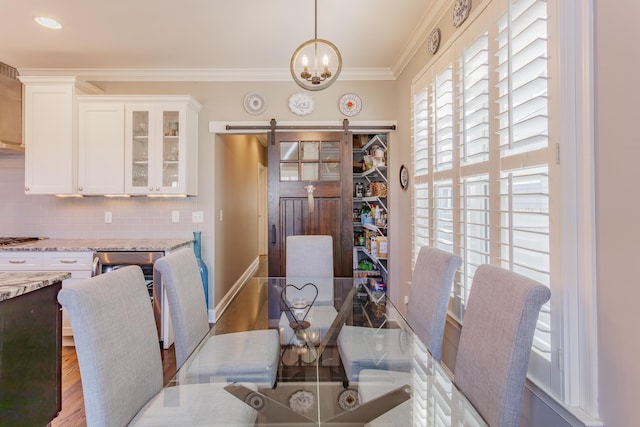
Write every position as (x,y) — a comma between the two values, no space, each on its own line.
(310,192)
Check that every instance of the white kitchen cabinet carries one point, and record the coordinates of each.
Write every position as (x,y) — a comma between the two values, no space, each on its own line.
(161,146)
(100,147)
(20,261)
(79,264)
(50,133)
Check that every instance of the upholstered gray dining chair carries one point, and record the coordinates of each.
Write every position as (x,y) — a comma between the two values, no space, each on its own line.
(309,255)
(249,356)
(495,342)
(120,364)
(310,258)
(432,279)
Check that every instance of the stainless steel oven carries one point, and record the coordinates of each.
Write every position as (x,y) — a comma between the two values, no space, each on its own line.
(144,259)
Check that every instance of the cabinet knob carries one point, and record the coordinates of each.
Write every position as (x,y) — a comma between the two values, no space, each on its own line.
(80,188)
(150,188)
(26,189)
(157,188)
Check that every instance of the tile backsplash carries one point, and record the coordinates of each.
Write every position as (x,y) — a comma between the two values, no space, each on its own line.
(54,217)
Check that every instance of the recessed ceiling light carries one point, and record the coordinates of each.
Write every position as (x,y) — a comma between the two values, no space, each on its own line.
(48,22)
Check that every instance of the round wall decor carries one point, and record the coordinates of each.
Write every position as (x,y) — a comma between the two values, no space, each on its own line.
(404,177)
(255,103)
(461,10)
(350,104)
(301,104)
(434,40)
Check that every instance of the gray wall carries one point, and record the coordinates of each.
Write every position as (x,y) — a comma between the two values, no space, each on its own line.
(617,204)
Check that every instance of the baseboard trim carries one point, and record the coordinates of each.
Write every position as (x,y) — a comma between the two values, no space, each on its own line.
(219,309)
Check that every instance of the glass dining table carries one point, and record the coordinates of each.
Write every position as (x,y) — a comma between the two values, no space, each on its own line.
(347,358)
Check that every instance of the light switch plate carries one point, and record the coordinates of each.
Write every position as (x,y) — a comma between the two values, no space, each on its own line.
(175,216)
(197,217)
(108,218)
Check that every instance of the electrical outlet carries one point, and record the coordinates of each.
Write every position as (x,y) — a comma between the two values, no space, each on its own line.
(197,217)
(108,218)
(175,216)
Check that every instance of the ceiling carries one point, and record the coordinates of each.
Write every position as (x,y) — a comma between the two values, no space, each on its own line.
(208,39)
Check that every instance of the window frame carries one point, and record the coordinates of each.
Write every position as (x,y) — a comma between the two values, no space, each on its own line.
(571,115)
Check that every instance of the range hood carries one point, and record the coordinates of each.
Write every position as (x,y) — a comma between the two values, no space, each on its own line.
(10,111)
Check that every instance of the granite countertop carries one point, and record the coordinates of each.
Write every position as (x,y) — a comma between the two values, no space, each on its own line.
(16,283)
(99,245)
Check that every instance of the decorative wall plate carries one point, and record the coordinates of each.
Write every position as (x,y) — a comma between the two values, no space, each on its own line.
(301,104)
(255,103)
(350,104)
(348,399)
(301,401)
(404,177)
(434,40)
(461,10)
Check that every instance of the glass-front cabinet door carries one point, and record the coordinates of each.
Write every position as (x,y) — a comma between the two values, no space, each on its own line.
(154,149)
(170,172)
(138,161)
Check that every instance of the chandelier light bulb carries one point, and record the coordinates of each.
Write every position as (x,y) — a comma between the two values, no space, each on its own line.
(325,61)
(305,74)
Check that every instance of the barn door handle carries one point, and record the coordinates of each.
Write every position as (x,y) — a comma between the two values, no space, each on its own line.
(273,234)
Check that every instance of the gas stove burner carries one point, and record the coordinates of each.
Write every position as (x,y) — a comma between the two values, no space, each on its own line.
(6,241)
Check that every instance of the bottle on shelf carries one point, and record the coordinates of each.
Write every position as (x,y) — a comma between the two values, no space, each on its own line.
(373,248)
(365,214)
(377,217)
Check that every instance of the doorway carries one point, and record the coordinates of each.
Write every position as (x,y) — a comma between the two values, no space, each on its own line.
(310,192)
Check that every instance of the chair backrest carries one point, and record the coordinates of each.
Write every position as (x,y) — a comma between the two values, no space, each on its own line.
(495,342)
(309,258)
(117,344)
(309,255)
(182,282)
(429,298)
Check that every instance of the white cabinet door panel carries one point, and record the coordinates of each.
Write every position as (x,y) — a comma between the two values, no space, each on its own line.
(101,148)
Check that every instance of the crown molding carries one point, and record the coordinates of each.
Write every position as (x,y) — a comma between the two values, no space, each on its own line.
(196,74)
(420,35)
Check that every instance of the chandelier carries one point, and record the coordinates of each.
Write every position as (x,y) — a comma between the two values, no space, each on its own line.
(313,61)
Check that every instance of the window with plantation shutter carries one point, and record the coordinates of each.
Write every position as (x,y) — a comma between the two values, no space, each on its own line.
(442,119)
(474,236)
(523,132)
(473,98)
(481,156)
(420,215)
(522,77)
(421,135)
(443,215)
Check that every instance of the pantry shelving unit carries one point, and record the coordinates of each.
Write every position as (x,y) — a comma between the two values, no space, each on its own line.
(370,230)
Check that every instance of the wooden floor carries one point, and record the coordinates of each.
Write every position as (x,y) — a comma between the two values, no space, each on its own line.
(252,299)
